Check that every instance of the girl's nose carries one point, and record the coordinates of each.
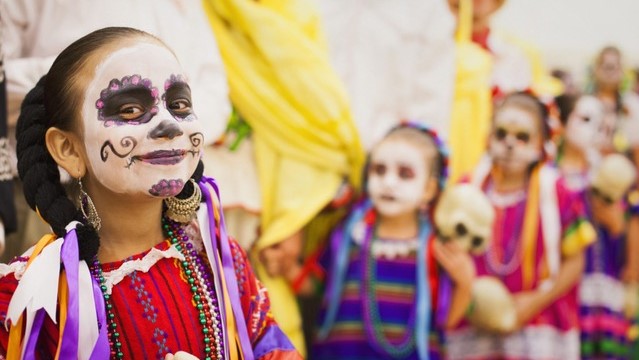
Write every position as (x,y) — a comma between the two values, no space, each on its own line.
(166,129)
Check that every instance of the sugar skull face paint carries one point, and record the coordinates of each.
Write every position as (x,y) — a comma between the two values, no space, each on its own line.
(397,177)
(140,131)
(515,142)
(584,124)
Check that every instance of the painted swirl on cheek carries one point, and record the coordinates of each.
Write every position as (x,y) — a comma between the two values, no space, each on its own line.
(166,188)
(196,141)
(127,143)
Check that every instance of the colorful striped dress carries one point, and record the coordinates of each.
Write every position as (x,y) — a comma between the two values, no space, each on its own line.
(394,295)
(604,328)
(554,333)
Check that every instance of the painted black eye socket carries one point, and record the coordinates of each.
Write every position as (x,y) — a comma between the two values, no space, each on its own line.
(131,112)
(180,107)
(178,100)
(129,105)
(406,172)
(501,133)
(477,241)
(524,137)
(378,169)
(460,229)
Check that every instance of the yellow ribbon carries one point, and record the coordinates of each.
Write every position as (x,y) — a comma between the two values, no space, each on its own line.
(530,231)
(16,337)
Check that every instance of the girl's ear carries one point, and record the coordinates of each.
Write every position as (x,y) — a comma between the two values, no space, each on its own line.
(431,190)
(67,151)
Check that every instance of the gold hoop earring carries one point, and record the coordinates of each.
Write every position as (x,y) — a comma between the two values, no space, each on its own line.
(88,209)
(183,210)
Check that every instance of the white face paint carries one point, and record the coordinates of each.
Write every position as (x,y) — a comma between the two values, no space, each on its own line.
(583,127)
(397,177)
(515,142)
(140,132)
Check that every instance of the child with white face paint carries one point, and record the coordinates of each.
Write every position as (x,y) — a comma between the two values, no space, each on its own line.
(604,326)
(383,263)
(539,236)
(148,270)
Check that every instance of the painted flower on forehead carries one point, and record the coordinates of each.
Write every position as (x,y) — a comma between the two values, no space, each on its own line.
(121,93)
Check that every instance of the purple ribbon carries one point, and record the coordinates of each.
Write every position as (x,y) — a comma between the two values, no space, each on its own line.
(101,351)
(444,295)
(69,255)
(29,352)
(70,337)
(228,268)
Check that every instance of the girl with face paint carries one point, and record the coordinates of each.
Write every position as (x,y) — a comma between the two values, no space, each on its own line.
(604,326)
(131,267)
(382,264)
(539,236)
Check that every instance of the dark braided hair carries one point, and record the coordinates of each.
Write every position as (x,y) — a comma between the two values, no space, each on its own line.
(55,102)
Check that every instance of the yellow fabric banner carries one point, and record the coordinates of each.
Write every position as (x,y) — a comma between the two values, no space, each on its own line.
(306,142)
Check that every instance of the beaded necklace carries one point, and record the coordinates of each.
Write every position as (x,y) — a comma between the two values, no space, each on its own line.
(511,256)
(202,290)
(372,319)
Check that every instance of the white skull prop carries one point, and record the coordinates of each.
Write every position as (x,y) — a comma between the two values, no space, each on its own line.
(613,177)
(465,214)
(493,306)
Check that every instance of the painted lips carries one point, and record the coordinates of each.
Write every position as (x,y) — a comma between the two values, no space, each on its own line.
(163,157)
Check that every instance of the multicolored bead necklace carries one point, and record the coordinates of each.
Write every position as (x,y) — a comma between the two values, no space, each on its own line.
(202,290)
(372,318)
(512,256)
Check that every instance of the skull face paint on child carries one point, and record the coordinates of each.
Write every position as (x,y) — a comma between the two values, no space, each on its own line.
(584,124)
(140,131)
(397,178)
(515,142)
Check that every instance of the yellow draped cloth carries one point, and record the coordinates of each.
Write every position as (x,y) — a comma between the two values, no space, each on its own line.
(306,143)
(472,102)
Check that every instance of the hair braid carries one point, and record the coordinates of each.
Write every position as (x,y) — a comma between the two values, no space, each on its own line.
(41,177)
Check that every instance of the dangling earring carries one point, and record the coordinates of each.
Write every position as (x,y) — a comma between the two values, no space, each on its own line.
(90,213)
(183,210)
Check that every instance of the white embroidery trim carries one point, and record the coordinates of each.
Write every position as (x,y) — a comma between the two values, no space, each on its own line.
(549,343)
(389,249)
(16,267)
(113,277)
(592,293)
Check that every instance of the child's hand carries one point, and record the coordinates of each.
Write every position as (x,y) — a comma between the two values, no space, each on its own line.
(526,306)
(282,258)
(457,262)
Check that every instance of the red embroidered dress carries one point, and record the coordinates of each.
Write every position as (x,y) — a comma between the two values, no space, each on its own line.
(154,311)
